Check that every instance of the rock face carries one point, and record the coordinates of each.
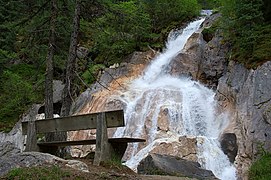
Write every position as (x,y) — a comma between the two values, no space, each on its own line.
(15,136)
(100,97)
(245,94)
(8,149)
(201,60)
(242,93)
(28,159)
(169,165)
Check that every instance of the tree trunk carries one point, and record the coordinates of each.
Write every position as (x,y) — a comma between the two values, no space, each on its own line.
(49,109)
(70,67)
(49,64)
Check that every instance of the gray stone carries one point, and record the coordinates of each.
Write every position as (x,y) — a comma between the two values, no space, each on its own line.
(229,145)
(28,159)
(187,63)
(170,165)
(14,136)
(209,20)
(82,52)
(13,141)
(201,60)
(8,149)
(81,101)
(58,87)
(245,94)
(213,64)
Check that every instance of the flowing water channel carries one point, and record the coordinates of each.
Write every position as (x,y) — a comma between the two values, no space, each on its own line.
(190,107)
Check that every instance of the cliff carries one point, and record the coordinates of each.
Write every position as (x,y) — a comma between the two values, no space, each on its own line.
(242,94)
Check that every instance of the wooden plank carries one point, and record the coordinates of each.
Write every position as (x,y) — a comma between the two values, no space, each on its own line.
(77,122)
(102,151)
(125,140)
(31,141)
(68,143)
(89,142)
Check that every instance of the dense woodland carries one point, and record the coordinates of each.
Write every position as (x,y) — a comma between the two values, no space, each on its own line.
(109,30)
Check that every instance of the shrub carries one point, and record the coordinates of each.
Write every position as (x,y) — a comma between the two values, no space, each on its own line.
(261,169)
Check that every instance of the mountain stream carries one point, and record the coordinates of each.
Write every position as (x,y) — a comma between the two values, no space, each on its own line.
(190,108)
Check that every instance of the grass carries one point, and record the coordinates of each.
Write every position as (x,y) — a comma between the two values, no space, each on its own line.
(41,173)
(261,169)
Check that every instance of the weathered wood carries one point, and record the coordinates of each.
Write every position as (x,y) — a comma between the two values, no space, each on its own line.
(102,151)
(31,141)
(89,141)
(125,140)
(78,122)
(105,148)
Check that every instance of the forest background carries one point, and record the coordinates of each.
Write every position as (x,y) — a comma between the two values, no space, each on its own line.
(110,30)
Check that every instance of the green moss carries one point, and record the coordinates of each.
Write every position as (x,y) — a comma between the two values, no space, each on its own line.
(261,169)
(91,74)
(41,173)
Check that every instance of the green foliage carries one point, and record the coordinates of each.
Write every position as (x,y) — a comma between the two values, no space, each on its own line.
(131,25)
(42,173)
(209,4)
(209,32)
(246,27)
(261,169)
(17,94)
(24,36)
(89,76)
(121,30)
(163,13)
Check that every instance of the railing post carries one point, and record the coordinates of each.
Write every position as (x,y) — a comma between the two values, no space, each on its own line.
(102,151)
(31,141)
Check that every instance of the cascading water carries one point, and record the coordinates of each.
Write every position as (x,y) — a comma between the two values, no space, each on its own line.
(190,107)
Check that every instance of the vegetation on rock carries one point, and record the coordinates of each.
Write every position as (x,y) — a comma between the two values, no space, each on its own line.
(261,169)
(247,26)
(110,30)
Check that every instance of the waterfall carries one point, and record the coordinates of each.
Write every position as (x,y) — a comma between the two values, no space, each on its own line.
(189,105)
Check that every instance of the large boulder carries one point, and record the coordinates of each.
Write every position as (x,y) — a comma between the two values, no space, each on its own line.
(229,145)
(15,136)
(8,149)
(159,164)
(185,148)
(28,159)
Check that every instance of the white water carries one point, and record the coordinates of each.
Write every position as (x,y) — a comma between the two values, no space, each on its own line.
(190,106)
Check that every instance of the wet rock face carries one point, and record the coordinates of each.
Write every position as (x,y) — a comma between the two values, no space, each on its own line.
(187,63)
(184,147)
(201,60)
(155,164)
(229,145)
